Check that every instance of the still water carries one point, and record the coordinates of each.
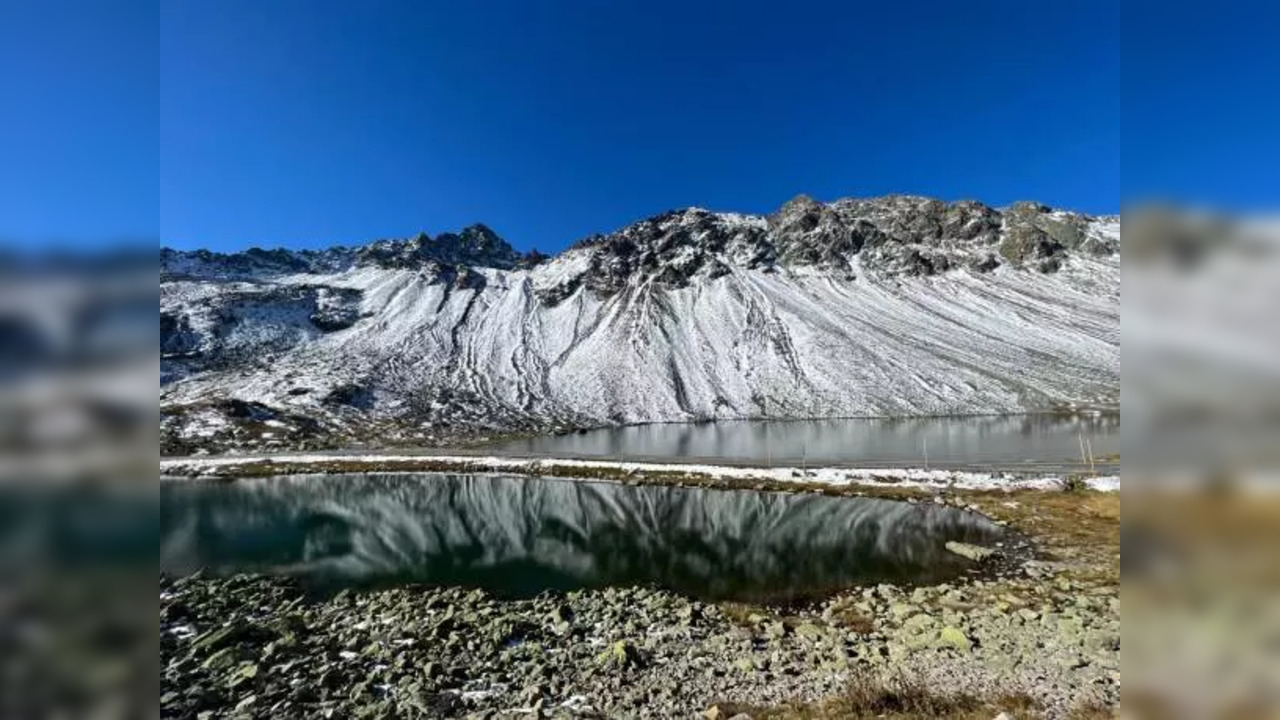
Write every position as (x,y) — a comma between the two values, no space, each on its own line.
(518,536)
(996,441)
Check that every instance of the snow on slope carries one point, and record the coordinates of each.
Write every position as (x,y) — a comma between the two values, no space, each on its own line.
(893,306)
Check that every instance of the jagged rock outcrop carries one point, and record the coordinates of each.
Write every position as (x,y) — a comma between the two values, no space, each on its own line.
(475,245)
(888,306)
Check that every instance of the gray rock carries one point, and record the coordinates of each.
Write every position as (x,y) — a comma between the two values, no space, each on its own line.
(809,631)
(919,622)
(952,637)
(346,651)
(901,611)
(977,553)
(622,654)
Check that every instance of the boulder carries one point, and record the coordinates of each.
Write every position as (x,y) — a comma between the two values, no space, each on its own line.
(977,553)
(621,654)
(950,636)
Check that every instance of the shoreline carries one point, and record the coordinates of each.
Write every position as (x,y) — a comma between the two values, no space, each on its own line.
(1035,639)
(229,467)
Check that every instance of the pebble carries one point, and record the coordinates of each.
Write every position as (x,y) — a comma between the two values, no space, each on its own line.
(446,652)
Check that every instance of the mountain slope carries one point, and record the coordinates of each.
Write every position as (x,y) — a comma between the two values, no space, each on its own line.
(890,306)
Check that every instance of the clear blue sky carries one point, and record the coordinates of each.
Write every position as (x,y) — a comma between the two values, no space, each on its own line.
(310,122)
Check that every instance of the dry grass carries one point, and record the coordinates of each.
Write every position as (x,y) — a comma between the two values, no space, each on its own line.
(1093,711)
(1080,529)
(1192,547)
(897,699)
(740,614)
(853,620)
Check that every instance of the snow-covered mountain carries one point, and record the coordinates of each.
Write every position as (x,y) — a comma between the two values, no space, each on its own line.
(861,307)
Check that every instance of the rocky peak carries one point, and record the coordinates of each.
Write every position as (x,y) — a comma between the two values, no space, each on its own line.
(915,220)
(1038,236)
(809,233)
(478,245)
(890,235)
(674,247)
(248,264)
(475,246)
(799,206)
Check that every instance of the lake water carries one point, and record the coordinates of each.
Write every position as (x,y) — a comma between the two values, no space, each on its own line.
(997,442)
(518,536)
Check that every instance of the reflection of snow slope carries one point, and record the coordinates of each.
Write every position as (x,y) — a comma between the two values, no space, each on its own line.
(520,535)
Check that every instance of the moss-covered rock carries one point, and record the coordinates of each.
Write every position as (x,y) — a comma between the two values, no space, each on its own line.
(953,637)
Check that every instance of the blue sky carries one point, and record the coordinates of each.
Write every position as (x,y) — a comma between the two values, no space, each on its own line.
(303,123)
(79,118)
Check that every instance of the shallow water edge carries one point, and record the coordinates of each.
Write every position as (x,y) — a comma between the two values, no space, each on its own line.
(748,476)
(516,537)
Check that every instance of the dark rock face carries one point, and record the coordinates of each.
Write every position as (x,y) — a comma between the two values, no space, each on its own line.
(531,259)
(213,329)
(176,336)
(350,395)
(242,410)
(895,235)
(1034,233)
(559,293)
(984,264)
(916,263)
(810,233)
(671,249)
(464,278)
(913,220)
(335,308)
(476,245)
(254,262)
(22,345)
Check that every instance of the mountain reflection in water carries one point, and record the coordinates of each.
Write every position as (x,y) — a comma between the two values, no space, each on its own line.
(519,536)
(1009,441)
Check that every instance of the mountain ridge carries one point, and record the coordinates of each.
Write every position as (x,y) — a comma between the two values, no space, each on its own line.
(899,305)
(479,245)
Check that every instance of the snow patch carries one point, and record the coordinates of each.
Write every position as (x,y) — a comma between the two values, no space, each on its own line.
(918,478)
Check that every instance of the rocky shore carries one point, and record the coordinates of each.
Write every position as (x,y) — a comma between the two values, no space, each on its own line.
(1039,645)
